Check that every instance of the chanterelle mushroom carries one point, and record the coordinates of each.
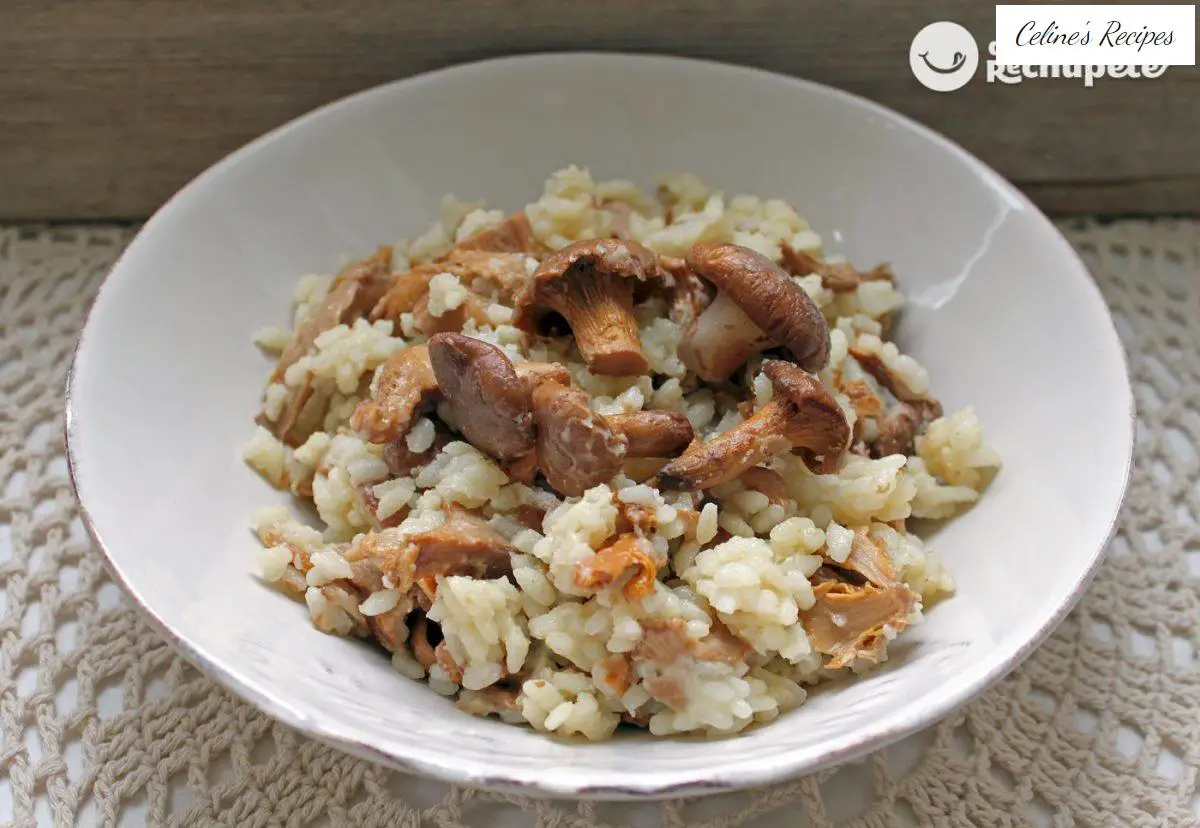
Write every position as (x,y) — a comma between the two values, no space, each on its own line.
(652,433)
(591,285)
(354,292)
(403,385)
(632,555)
(802,415)
(576,448)
(513,235)
(758,306)
(847,622)
(897,431)
(489,403)
(533,373)
(840,277)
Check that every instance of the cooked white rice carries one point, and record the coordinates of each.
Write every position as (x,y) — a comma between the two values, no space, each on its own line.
(721,634)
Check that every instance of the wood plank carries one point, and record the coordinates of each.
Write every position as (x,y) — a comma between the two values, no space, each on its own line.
(110,105)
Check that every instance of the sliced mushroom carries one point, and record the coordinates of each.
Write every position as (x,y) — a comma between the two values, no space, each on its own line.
(620,212)
(652,433)
(464,545)
(407,290)
(303,413)
(635,518)
(496,700)
(445,660)
(402,461)
(390,627)
(874,365)
(408,293)
(862,399)
(840,277)
(870,559)
(629,555)
(766,481)
(591,285)
(418,641)
(504,272)
(513,235)
(664,641)
(758,306)
(897,431)
(847,622)
(576,448)
(524,469)
(532,374)
(354,292)
(452,319)
(404,384)
(487,399)
(801,415)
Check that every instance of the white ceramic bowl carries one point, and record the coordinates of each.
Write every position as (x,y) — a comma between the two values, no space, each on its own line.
(1002,313)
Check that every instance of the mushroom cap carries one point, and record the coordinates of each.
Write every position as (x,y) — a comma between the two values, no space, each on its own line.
(403,385)
(576,447)
(768,296)
(490,402)
(819,424)
(610,257)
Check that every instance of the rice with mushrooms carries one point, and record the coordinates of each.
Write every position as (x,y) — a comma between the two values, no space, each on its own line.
(572,473)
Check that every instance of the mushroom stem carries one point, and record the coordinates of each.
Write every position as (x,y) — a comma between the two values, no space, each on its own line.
(591,285)
(727,455)
(720,339)
(774,310)
(801,415)
(599,309)
(652,433)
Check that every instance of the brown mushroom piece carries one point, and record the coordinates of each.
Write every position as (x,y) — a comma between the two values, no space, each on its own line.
(533,373)
(801,416)
(874,365)
(767,482)
(487,400)
(591,285)
(418,642)
(353,293)
(513,235)
(576,448)
(402,460)
(869,558)
(629,555)
(464,545)
(897,431)
(758,306)
(847,622)
(840,277)
(652,433)
(403,386)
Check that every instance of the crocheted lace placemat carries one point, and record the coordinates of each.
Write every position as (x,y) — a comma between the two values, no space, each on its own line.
(103,723)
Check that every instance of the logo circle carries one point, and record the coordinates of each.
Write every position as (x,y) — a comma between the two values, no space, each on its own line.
(943,56)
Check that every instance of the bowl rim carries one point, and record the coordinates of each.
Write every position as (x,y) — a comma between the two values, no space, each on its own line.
(729,777)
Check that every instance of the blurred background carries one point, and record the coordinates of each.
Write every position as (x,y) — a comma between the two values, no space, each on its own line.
(109,106)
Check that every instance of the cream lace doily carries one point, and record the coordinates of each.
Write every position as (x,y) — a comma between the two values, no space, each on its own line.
(103,723)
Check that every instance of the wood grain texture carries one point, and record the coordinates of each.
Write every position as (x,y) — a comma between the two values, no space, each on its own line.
(109,106)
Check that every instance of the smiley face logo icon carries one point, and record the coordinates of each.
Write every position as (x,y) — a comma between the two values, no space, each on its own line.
(943,56)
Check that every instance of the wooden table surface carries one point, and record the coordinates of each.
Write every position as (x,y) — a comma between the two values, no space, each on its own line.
(109,106)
